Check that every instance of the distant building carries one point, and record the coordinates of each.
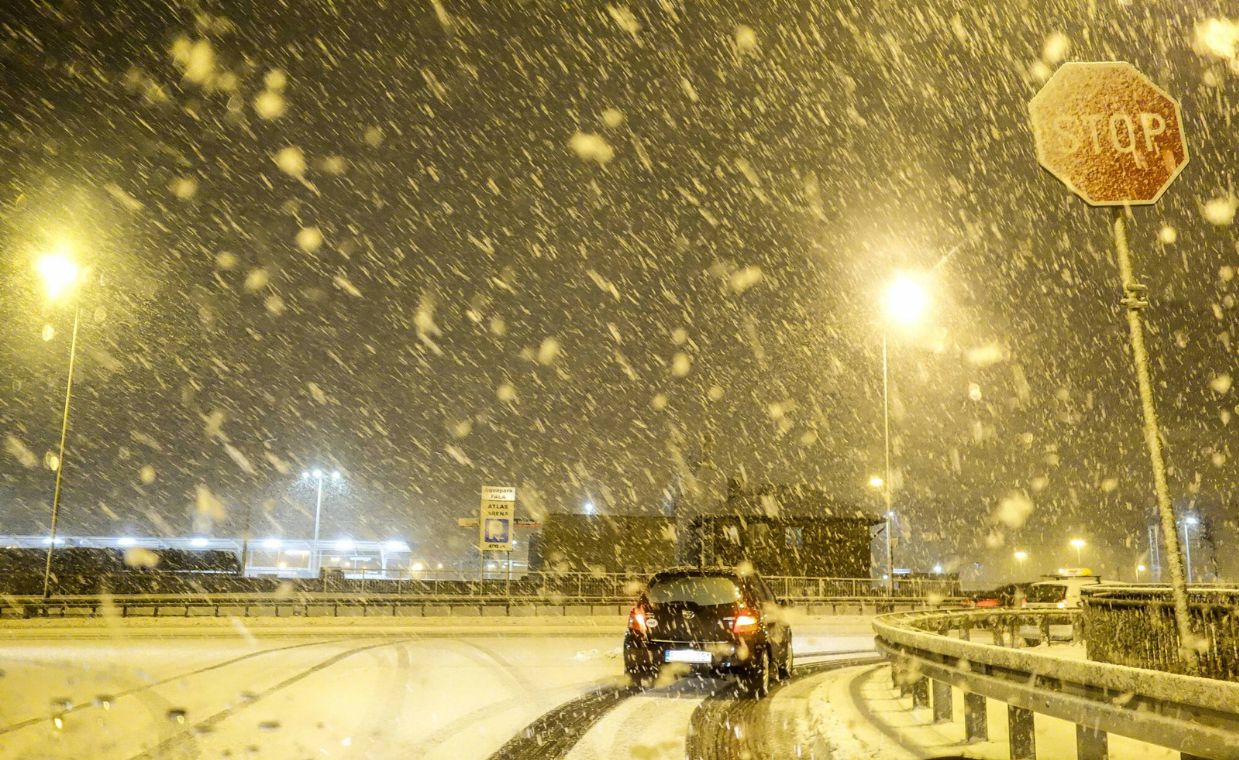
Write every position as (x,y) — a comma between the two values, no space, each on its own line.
(602,543)
(782,530)
(779,530)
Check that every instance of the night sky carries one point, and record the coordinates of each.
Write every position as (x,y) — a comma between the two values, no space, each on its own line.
(435,245)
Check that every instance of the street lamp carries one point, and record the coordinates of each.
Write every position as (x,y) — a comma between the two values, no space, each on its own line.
(1078,545)
(316,557)
(1190,521)
(1139,569)
(906,300)
(1020,556)
(878,483)
(60,274)
(904,304)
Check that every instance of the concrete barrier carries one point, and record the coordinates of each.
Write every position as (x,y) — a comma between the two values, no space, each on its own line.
(436,610)
(466,610)
(408,610)
(320,610)
(577,610)
(494,610)
(553,610)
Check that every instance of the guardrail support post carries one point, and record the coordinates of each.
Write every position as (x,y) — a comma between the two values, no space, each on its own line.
(920,692)
(942,702)
(1091,743)
(1020,730)
(976,725)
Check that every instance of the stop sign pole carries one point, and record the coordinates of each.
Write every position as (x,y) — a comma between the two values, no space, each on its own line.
(1116,139)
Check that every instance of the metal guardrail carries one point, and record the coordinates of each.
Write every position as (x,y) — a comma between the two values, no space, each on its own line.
(530,584)
(1197,716)
(490,599)
(386,605)
(1135,626)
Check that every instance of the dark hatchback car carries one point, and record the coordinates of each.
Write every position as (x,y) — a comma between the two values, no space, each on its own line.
(712,621)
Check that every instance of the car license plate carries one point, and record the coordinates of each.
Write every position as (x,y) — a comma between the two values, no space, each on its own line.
(694,656)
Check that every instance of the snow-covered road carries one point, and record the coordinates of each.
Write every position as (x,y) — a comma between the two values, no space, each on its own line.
(333,688)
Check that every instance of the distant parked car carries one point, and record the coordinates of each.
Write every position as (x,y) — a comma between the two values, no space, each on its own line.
(709,620)
(1061,593)
(1010,595)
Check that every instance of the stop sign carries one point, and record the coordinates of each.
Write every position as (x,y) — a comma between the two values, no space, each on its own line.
(1109,133)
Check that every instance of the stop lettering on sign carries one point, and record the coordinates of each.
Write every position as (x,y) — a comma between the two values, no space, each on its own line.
(1132,135)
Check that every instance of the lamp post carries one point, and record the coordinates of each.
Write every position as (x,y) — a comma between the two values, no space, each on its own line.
(60,274)
(878,483)
(1139,570)
(1190,521)
(1020,557)
(1078,545)
(316,556)
(904,304)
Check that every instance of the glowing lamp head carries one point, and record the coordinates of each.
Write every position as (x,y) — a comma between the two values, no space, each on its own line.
(1077,543)
(876,481)
(1021,555)
(906,300)
(58,272)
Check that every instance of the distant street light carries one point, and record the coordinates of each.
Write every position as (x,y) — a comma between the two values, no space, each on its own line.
(589,507)
(904,304)
(1020,556)
(1190,521)
(60,275)
(316,557)
(1139,569)
(1078,545)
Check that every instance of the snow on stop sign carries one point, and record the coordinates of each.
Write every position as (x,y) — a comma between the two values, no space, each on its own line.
(1109,133)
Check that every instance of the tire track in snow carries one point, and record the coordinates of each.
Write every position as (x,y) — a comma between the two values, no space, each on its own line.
(137,690)
(190,733)
(724,727)
(552,736)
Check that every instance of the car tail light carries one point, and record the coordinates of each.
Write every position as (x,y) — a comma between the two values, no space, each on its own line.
(745,622)
(636,622)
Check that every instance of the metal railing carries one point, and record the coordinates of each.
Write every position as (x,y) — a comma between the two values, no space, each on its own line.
(526,584)
(1135,626)
(1197,716)
(534,592)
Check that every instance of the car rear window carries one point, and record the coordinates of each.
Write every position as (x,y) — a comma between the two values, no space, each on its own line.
(694,589)
(1046,594)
